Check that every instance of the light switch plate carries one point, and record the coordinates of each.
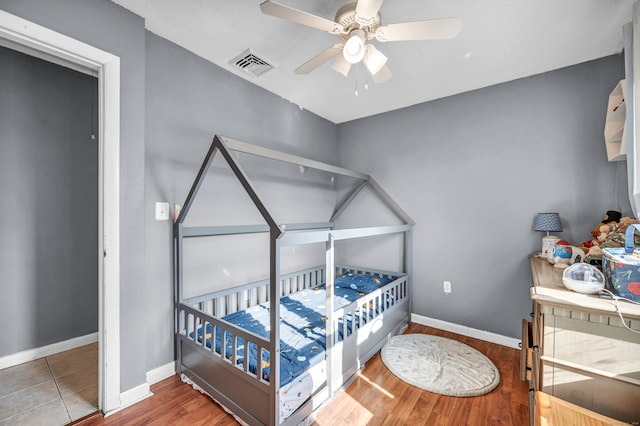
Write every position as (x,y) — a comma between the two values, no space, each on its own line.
(162,211)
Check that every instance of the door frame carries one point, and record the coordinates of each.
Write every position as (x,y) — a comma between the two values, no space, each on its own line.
(44,43)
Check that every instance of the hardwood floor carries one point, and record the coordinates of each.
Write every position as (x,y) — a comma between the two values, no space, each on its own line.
(173,403)
(376,397)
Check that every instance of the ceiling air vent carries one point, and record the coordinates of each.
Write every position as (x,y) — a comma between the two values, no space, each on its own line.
(250,63)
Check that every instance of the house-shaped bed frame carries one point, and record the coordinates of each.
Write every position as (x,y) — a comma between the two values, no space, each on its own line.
(366,324)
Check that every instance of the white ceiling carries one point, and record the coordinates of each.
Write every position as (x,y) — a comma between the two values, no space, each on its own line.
(501,40)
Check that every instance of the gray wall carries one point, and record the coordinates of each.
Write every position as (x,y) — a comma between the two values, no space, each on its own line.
(474,169)
(189,100)
(110,27)
(49,188)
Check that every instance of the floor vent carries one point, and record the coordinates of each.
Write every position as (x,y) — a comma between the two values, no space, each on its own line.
(250,63)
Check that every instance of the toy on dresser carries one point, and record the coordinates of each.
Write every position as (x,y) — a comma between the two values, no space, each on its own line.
(564,254)
(607,234)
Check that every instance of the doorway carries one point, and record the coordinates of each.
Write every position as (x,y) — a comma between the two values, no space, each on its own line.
(49,169)
(39,41)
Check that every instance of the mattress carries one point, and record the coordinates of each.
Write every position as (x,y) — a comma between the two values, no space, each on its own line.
(296,392)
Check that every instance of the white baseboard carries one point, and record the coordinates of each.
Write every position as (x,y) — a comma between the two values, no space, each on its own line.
(143,391)
(467,331)
(161,373)
(131,397)
(43,351)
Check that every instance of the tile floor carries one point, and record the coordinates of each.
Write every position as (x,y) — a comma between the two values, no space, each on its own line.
(55,390)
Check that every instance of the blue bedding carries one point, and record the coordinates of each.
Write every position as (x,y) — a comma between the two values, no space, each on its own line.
(302,326)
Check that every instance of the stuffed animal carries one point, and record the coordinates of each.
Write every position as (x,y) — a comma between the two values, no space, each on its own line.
(612,234)
(624,223)
(610,216)
(595,251)
(606,234)
(596,231)
(604,231)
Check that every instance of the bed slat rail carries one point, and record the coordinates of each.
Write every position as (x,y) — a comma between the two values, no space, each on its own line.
(343,269)
(228,301)
(193,328)
(350,318)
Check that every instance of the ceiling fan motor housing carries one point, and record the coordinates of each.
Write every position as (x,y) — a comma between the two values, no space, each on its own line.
(347,17)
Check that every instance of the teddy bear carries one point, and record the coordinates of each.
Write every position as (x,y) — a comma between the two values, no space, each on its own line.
(624,223)
(603,232)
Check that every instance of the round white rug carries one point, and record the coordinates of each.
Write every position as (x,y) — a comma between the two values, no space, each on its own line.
(440,365)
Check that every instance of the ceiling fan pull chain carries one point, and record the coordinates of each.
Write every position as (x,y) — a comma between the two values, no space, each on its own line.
(366,81)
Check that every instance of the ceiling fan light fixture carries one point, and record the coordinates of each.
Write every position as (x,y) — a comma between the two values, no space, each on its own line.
(354,49)
(373,59)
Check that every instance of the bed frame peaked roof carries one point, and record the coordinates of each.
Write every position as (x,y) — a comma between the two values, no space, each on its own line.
(225,146)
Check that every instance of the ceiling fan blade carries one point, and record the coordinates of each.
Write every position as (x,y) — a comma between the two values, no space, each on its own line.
(298,16)
(432,29)
(368,9)
(319,59)
(383,75)
(341,65)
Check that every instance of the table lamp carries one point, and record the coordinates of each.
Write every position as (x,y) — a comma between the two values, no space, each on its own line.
(548,222)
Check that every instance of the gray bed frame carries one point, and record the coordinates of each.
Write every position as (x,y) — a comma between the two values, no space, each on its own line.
(250,398)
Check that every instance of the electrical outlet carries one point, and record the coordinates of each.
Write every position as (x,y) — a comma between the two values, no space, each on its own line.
(447,287)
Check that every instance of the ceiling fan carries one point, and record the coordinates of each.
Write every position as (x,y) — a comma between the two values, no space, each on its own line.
(355,24)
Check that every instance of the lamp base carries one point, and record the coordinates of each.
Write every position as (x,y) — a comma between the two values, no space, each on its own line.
(548,242)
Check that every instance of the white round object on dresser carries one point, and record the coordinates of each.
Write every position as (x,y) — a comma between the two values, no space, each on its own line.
(583,278)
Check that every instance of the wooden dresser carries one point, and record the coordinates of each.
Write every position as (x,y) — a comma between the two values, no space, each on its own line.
(578,349)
